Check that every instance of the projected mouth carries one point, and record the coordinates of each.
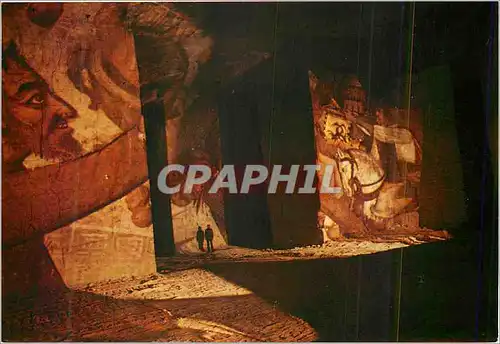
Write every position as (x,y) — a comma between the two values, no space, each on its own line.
(59,123)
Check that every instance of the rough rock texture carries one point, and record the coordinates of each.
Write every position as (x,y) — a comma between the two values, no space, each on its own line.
(173,307)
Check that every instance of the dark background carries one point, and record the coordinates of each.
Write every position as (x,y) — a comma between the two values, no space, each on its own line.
(441,291)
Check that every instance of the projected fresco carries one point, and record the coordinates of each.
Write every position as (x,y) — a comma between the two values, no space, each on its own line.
(83,204)
(74,157)
(378,155)
(75,173)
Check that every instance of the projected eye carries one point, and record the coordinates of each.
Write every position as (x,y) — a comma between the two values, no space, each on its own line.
(36,100)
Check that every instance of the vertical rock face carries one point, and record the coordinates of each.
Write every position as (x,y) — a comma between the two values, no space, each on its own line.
(265,118)
(88,218)
(290,140)
(91,205)
(385,167)
(442,200)
(186,221)
(246,215)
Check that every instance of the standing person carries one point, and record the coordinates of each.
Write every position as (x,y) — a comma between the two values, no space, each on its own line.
(200,237)
(209,235)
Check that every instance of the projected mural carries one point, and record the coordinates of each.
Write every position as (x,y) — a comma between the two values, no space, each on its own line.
(74,162)
(74,157)
(378,156)
(82,214)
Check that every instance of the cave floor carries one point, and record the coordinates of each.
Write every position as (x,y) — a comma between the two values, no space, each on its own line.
(193,305)
(363,244)
(194,297)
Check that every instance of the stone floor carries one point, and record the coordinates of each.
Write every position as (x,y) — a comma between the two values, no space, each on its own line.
(192,305)
(234,294)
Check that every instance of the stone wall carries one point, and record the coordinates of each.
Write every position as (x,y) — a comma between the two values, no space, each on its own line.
(84,222)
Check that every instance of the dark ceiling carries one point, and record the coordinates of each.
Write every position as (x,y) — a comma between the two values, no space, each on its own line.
(372,40)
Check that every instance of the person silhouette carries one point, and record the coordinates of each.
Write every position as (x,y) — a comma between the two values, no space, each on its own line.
(209,236)
(200,237)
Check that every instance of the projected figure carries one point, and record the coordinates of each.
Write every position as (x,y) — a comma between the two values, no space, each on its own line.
(370,155)
(391,145)
(354,97)
(105,70)
(87,54)
(34,119)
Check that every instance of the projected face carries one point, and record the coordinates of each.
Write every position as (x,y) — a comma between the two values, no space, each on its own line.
(34,119)
(105,69)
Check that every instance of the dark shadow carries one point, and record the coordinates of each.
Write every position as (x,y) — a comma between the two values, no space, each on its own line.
(324,293)
(79,316)
(82,316)
(356,299)
(445,295)
(246,215)
(154,110)
(266,118)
